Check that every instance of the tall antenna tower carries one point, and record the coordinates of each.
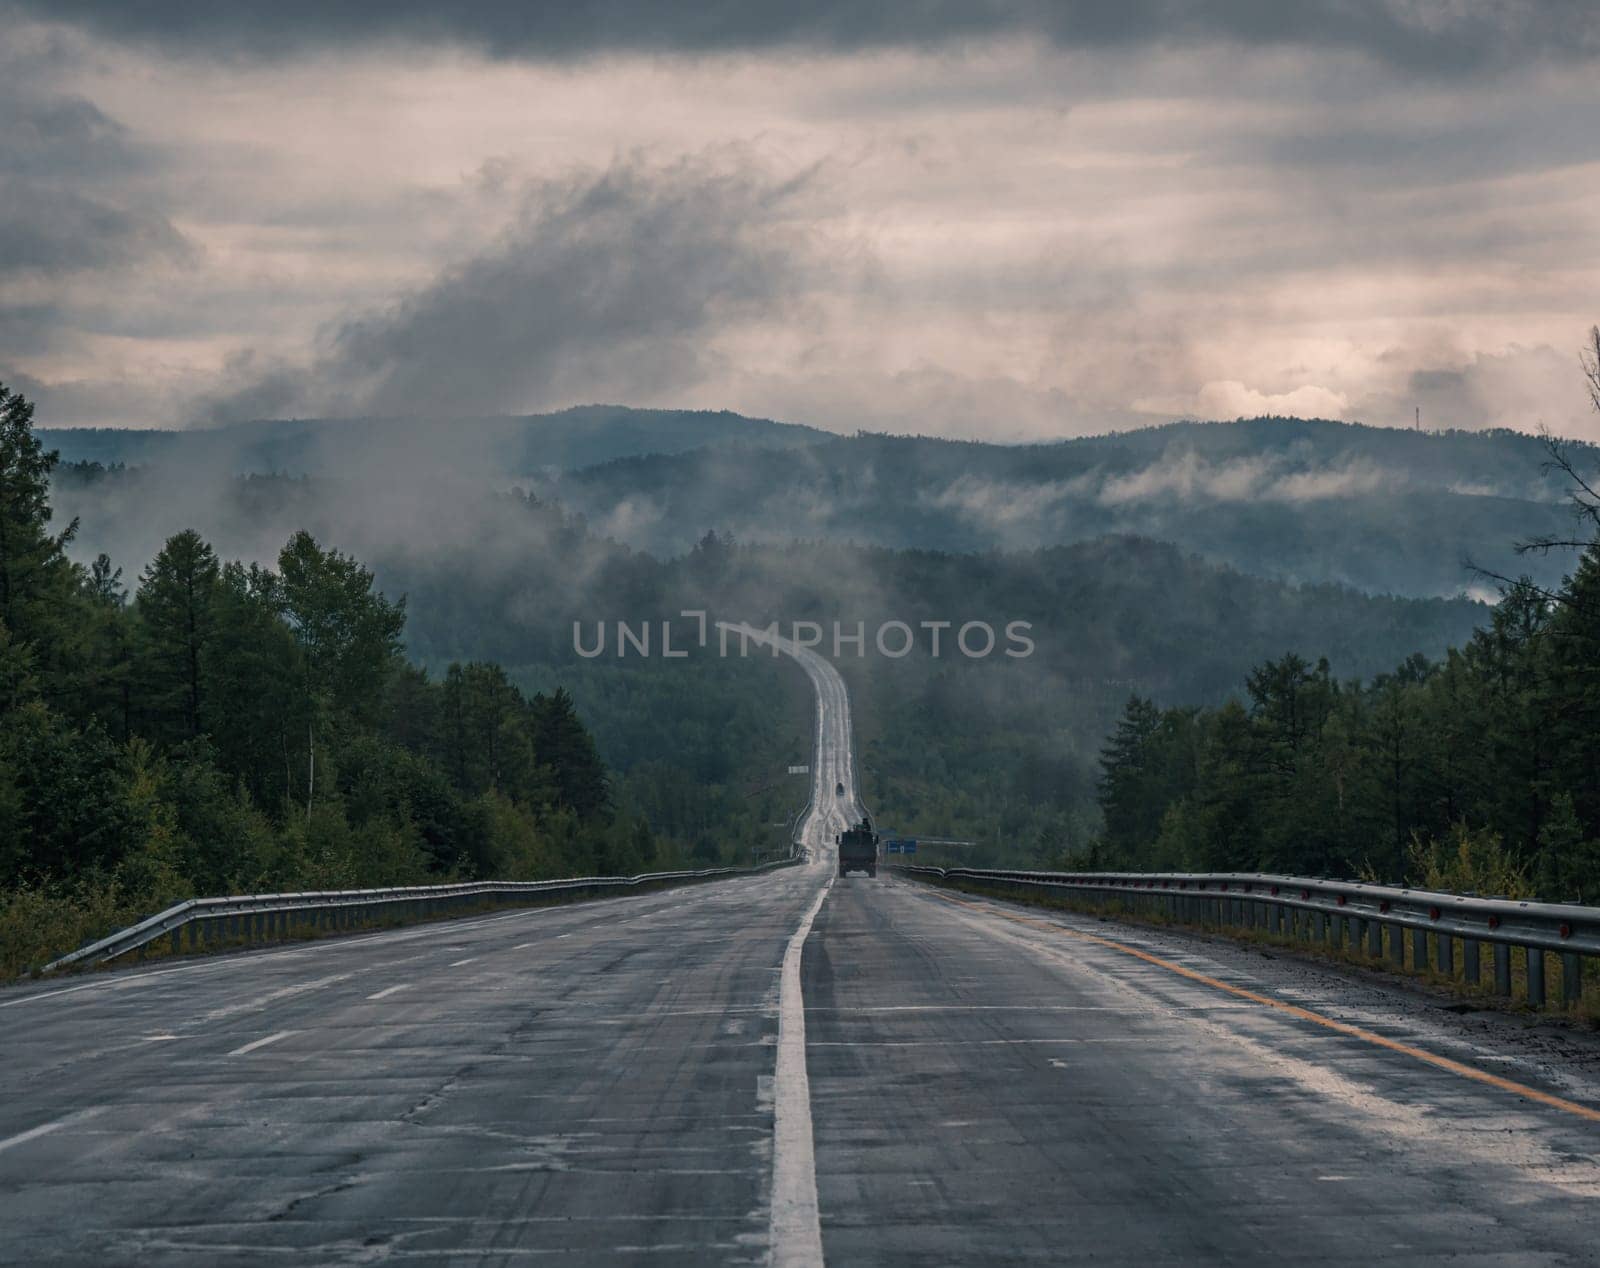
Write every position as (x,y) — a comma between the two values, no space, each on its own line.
(1417,426)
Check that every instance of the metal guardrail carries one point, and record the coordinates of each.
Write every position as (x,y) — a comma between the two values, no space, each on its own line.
(272,917)
(1351,915)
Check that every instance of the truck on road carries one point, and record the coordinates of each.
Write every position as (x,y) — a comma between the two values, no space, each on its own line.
(858,849)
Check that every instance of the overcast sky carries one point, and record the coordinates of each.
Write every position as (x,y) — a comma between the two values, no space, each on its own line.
(999,220)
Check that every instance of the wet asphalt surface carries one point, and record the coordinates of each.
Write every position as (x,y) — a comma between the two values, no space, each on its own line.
(594,1084)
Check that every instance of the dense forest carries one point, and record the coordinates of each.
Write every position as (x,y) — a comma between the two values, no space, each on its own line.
(278,721)
(1303,500)
(219,727)
(1000,751)
(1479,771)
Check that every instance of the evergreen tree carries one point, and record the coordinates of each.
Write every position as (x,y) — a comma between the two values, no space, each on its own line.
(561,742)
(348,634)
(176,607)
(38,585)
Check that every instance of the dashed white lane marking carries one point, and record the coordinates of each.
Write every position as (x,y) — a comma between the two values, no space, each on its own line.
(389,990)
(260,1043)
(795,1233)
(522,946)
(456,964)
(118,982)
(44,1129)
(971,1043)
(254,959)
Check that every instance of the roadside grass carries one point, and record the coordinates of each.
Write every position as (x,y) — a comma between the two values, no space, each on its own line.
(1480,995)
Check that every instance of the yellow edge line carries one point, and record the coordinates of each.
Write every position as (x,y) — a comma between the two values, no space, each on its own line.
(1305,1014)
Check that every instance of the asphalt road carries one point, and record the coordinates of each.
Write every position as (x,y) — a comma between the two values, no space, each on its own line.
(786,1069)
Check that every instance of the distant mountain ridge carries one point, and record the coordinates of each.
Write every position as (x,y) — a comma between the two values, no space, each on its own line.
(509,446)
(1304,500)
(1382,510)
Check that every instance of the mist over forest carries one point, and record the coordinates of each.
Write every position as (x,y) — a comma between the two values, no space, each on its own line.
(1165,564)
(1161,577)
(1380,510)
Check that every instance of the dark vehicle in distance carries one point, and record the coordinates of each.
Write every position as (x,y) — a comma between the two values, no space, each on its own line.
(838,789)
(858,849)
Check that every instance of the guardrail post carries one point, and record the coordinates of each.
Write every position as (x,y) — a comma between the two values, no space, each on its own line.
(1571,977)
(1419,949)
(1375,939)
(1469,960)
(1397,945)
(1536,977)
(177,940)
(1447,954)
(1502,969)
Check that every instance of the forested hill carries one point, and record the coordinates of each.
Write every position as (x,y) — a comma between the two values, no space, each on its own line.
(219,727)
(1382,510)
(950,744)
(498,448)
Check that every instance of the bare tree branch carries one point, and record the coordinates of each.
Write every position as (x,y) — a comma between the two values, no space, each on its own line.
(1590,356)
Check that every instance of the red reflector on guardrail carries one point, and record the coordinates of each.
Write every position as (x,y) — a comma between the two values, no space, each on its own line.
(1342,900)
(1494,922)
(1433,913)
(1384,905)
(1565,931)
(1274,890)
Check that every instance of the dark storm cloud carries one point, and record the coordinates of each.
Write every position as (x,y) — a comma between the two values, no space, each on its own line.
(65,204)
(52,230)
(1436,35)
(610,282)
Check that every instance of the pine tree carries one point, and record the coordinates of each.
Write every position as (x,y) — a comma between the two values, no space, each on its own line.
(348,633)
(563,744)
(36,579)
(176,606)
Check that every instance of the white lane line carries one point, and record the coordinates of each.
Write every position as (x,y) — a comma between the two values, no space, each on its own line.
(44,1129)
(969,1043)
(456,964)
(795,1233)
(253,959)
(119,982)
(389,990)
(260,1043)
(522,946)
